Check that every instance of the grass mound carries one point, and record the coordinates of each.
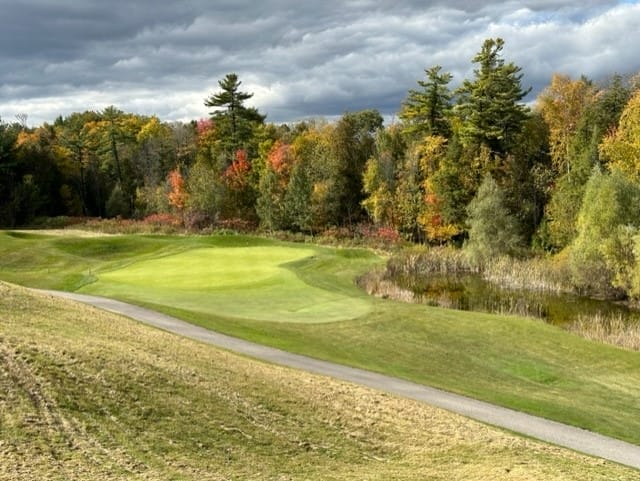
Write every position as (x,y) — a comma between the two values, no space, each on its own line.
(89,395)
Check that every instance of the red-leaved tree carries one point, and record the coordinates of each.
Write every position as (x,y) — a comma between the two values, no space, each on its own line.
(237,174)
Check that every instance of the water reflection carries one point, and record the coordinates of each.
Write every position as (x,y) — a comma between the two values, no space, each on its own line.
(470,292)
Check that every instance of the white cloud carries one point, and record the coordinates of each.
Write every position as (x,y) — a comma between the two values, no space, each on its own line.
(164,58)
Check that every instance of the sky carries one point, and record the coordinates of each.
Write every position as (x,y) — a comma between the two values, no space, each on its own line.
(300,59)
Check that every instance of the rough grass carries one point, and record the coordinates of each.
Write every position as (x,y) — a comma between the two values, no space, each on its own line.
(90,395)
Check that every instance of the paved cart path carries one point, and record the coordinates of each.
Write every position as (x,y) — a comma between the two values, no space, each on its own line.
(550,431)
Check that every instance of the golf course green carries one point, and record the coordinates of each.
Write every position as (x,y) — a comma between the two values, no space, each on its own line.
(241,282)
(302,298)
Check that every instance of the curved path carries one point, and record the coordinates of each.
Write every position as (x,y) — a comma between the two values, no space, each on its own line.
(539,428)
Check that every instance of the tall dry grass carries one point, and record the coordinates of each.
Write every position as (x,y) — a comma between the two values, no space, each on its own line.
(608,329)
(421,261)
(375,284)
(536,274)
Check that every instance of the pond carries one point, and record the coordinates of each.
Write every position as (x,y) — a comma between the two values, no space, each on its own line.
(470,292)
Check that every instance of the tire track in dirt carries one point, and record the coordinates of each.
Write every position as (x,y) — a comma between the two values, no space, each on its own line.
(42,415)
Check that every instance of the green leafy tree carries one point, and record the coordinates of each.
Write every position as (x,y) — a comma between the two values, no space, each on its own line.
(527,176)
(78,162)
(620,254)
(426,111)
(9,173)
(157,152)
(561,212)
(600,117)
(310,201)
(489,107)
(352,143)
(117,204)
(38,193)
(297,200)
(610,202)
(204,193)
(410,197)
(493,230)
(269,205)
(274,179)
(113,140)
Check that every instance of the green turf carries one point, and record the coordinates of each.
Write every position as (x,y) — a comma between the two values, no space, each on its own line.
(515,362)
(241,282)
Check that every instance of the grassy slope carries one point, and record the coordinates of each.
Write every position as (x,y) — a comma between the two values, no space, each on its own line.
(89,395)
(515,362)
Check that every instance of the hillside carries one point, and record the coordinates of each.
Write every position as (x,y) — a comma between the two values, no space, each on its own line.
(90,395)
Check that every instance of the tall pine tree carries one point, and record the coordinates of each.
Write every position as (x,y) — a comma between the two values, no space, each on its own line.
(489,106)
(426,111)
(234,121)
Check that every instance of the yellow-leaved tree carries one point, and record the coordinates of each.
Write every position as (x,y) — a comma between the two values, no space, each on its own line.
(561,105)
(621,148)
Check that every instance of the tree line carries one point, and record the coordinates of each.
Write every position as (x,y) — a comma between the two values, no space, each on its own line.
(472,164)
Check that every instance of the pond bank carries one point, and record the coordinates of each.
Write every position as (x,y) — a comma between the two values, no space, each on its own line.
(601,320)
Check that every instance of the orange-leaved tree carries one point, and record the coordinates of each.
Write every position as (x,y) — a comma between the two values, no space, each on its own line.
(177,195)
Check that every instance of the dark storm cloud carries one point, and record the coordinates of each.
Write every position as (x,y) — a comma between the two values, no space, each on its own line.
(300,60)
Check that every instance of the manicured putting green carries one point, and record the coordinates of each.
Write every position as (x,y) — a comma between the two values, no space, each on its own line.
(242,282)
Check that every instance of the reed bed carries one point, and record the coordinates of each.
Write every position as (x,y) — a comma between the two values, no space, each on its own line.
(608,329)
(375,284)
(536,274)
(435,260)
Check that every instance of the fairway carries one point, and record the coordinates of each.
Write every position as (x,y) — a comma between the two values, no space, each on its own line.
(237,282)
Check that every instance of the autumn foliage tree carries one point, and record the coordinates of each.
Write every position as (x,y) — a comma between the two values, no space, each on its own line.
(562,104)
(274,181)
(177,194)
(621,148)
(381,175)
(438,225)
(239,193)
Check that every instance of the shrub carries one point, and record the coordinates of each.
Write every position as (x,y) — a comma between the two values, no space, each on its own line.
(117,204)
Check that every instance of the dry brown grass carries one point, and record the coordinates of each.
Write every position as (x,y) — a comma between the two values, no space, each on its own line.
(610,330)
(376,285)
(536,274)
(89,395)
